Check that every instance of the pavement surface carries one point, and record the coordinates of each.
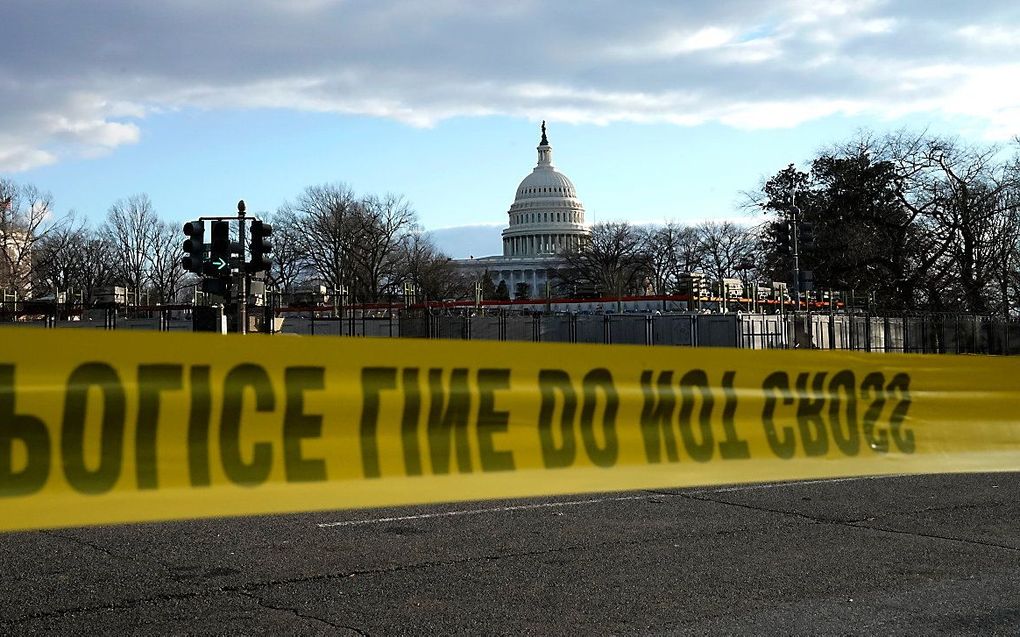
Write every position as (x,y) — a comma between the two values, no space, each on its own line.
(894,555)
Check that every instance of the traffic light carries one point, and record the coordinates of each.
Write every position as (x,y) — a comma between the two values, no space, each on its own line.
(261,247)
(806,235)
(784,239)
(219,252)
(194,246)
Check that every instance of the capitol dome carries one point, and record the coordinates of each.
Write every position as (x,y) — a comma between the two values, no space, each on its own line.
(544,183)
(546,217)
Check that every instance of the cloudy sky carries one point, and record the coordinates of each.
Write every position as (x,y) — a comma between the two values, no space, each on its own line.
(656,108)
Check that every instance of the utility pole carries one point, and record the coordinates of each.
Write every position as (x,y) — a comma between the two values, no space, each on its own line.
(795,222)
(242,274)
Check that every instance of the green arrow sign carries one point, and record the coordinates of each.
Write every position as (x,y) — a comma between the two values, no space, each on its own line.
(220,264)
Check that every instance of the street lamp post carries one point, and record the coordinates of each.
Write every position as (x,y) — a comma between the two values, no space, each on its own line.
(242,283)
(794,222)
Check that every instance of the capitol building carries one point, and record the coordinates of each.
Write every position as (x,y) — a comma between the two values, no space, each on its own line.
(546,219)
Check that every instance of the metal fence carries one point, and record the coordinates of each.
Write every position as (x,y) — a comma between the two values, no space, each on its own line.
(925,333)
(933,334)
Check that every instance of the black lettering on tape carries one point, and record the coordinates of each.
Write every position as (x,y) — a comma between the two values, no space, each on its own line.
(152,380)
(449,411)
(199,414)
(373,381)
(409,421)
(813,436)
(732,447)
(657,412)
(784,445)
(703,449)
(240,378)
(873,389)
(491,421)
(550,383)
(595,381)
(903,437)
(298,425)
(30,432)
(82,380)
(843,412)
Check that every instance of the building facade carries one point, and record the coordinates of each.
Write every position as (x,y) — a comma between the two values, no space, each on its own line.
(15,263)
(545,220)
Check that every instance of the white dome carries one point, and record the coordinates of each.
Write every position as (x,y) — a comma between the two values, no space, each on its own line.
(545,181)
(546,217)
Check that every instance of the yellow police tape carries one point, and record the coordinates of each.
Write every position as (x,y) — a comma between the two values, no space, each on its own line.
(99,427)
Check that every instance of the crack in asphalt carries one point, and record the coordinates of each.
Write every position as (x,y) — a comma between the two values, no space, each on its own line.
(105,551)
(856,524)
(249,589)
(264,604)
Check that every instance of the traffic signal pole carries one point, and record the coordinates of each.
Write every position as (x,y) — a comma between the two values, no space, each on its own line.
(796,258)
(242,275)
(795,211)
(227,259)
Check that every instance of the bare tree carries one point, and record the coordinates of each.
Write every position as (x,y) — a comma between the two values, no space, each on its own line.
(672,250)
(328,216)
(97,268)
(26,217)
(57,260)
(130,228)
(973,209)
(726,247)
(76,259)
(431,272)
(166,275)
(610,261)
(381,224)
(289,263)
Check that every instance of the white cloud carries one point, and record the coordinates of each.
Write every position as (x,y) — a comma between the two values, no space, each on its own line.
(675,43)
(104,67)
(994,35)
(17,158)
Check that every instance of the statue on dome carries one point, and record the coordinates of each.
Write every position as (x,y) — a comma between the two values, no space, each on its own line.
(544,142)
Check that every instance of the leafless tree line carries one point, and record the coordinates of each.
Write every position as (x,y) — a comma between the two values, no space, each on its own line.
(920,221)
(46,254)
(619,258)
(368,246)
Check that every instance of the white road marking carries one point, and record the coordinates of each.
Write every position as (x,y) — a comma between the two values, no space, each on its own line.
(519,507)
(567,503)
(776,485)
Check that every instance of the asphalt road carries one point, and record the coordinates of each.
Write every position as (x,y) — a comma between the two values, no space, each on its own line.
(900,555)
